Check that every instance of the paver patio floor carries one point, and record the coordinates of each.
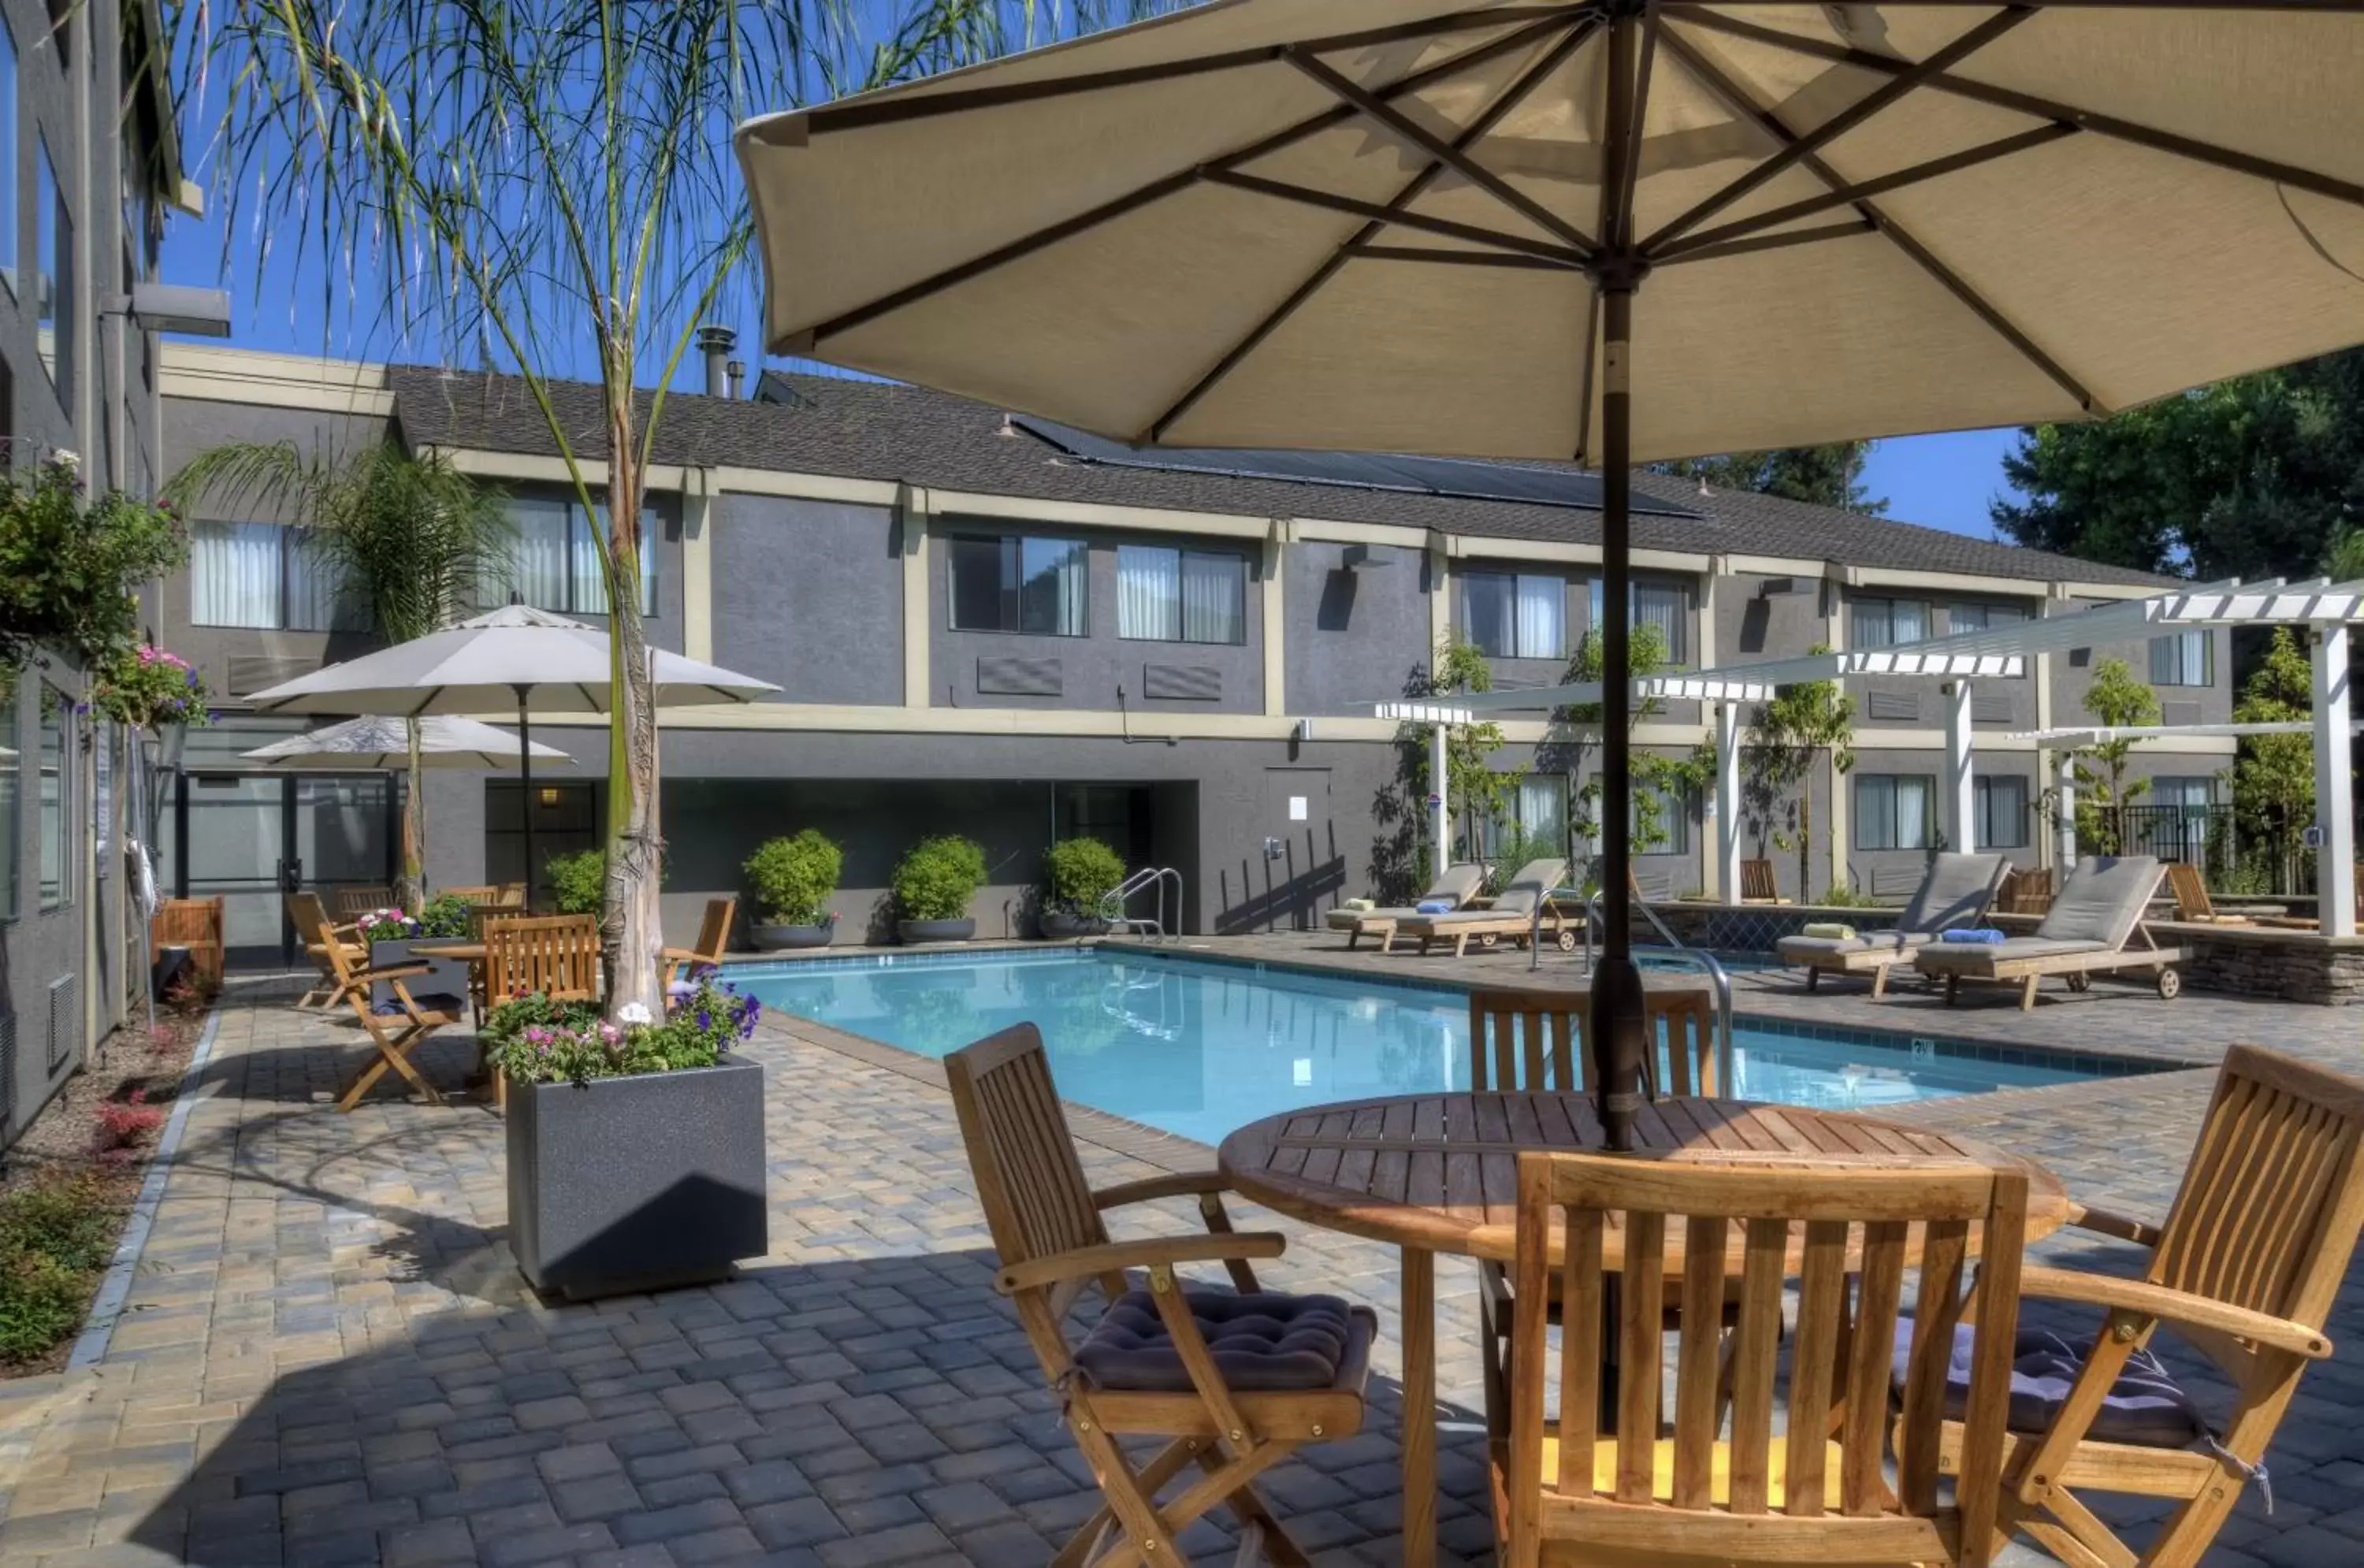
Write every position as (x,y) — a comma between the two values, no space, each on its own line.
(327,1357)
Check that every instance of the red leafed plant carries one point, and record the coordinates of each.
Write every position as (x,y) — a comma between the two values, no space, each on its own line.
(124,1125)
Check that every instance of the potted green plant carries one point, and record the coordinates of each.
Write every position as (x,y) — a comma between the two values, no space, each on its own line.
(635,1155)
(394,937)
(932,888)
(792,878)
(577,883)
(1079,874)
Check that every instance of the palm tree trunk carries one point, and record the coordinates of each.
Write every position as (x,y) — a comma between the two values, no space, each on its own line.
(412,894)
(630,933)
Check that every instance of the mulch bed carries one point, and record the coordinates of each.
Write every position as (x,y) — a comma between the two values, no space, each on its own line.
(64,1139)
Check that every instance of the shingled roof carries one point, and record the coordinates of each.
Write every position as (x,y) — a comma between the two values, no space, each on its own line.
(867,429)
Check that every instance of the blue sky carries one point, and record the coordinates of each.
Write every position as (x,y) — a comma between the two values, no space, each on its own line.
(1944,481)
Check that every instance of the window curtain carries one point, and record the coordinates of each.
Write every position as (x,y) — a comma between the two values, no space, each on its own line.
(1875,811)
(1542,810)
(1542,617)
(2179,660)
(1909,621)
(234,575)
(319,592)
(1489,613)
(1148,593)
(1052,573)
(537,570)
(1661,605)
(1214,598)
(1912,814)
(588,586)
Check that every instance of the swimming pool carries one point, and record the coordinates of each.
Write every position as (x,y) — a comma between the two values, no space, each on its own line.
(1200,1048)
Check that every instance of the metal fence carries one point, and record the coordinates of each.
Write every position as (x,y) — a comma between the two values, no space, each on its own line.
(2263,858)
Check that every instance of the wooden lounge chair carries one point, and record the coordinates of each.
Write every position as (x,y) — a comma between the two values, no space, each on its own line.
(2097,912)
(1512,914)
(1455,885)
(1957,890)
(2245,1269)
(2193,904)
(1536,1040)
(557,955)
(323,938)
(2026,892)
(1568,1491)
(1190,1365)
(1759,884)
(713,940)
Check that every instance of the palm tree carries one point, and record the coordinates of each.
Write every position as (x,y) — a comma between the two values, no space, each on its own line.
(411,540)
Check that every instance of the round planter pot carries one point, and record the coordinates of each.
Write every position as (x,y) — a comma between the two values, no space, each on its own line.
(782,939)
(913,931)
(1057,926)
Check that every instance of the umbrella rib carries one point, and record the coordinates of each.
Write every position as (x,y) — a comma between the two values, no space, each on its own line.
(1952,163)
(1797,147)
(1486,119)
(1770,242)
(1723,87)
(804,339)
(1307,195)
(859,113)
(1449,153)
(2110,126)
(1459,257)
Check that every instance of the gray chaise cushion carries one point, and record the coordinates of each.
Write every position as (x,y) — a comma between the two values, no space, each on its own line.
(1459,882)
(2102,900)
(1263,1342)
(1808,949)
(1977,958)
(1956,891)
(1535,879)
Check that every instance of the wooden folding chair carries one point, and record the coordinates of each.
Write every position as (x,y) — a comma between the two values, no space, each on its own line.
(1536,1040)
(396,1035)
(352,903)
(2246,1270)
(326,944)
(1148,1368)
(481,893)
(557,955)
(713,940)
(1586,1489)
(1759,884)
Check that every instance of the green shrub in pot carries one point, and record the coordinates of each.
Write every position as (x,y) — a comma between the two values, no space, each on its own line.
(578,882)
(793,877)
(938,877)
(1082,872)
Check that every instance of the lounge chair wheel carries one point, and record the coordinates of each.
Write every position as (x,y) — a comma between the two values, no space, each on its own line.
(1488,940)
(2171,982)
(2080,982)
(1567,940)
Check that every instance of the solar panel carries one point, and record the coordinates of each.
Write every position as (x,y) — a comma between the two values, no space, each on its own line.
(1468,479)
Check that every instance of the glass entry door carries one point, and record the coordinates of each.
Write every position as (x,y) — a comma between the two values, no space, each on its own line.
(247,839)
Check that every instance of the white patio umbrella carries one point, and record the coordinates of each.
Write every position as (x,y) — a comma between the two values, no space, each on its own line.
(514,655)
(1599,232)
(379,744)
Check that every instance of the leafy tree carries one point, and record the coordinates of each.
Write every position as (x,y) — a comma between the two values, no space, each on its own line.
(2261,475)
(1829,475)
(2117,701)
(538,182)
(2273,776)
(411,538)
(1786,737)
(1400,853)
(1660,784)
(71,564)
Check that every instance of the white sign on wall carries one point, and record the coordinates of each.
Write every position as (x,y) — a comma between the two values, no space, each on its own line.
(1297,808)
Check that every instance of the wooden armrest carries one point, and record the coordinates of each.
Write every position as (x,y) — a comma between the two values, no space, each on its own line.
(2175,1307)
(2107,1222)
(394,972)
(1192,1183)
(1114,1258)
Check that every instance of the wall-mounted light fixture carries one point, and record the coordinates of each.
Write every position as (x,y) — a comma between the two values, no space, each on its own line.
(173,307)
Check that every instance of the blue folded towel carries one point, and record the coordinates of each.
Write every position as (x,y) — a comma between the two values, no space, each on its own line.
(1983,935)
(1434,905)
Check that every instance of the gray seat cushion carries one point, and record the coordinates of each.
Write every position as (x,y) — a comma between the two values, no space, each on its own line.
(1955,891)
(1519,897)
(1973,958)
(2145,1407)
(1805,950)
(1263,1343)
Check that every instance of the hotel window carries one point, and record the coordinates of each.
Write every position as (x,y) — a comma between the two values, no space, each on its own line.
(1538,812)
(1522,616)
(53,278)
(554,559)
(1181,595)
(2182,659)
(55,838)
(11,751)
(1011,582)
(1666,606)
(1674,811)
(1989,618)
(2000,806)
(264,575)
(1886,623)
(1892,810)
(8,258)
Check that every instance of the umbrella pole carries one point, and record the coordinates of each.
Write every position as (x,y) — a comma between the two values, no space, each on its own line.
(525,786)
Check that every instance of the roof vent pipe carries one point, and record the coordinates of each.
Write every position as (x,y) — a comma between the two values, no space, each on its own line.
(735,375)
(715,343)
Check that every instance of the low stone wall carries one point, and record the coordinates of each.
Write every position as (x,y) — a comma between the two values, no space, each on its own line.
(1751,928)
(2253,961)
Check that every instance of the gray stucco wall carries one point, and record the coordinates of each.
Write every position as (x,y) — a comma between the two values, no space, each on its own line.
(1759,617)
(1093,666)
(1357,635)
(808,594)
(2072,674)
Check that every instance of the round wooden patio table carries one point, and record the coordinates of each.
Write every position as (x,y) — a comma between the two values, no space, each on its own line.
(1433,1173)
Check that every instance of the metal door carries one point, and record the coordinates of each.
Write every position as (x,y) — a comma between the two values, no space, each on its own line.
(1302,872)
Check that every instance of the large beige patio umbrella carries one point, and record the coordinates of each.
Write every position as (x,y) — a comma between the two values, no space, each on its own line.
(1602,231)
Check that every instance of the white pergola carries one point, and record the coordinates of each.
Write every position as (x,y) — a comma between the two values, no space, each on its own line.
(2326,607)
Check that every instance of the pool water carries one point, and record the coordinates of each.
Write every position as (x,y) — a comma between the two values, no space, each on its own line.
(1200,1048)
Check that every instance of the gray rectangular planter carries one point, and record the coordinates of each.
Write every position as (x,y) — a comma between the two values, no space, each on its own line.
(444,976)
(638,1182)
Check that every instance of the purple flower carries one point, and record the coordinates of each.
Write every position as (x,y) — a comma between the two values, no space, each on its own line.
(705,1020)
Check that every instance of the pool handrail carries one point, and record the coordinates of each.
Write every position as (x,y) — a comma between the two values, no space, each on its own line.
(1592,913)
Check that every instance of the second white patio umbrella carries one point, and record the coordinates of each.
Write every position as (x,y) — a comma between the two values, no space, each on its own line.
(379,744)
(515,656)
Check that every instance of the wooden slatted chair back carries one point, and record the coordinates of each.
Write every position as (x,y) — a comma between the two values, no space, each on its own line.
(714,930)
(352,903)
(1535,1040)
(557,955)
(192,923)
(2267,1214)
(481,893)
(308,915)
(2190,890)
(1757,882)
(1815,1491)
